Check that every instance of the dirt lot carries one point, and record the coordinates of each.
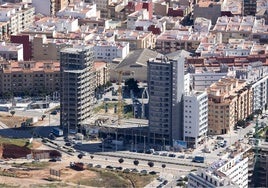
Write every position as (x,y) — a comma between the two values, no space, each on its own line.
(11,121)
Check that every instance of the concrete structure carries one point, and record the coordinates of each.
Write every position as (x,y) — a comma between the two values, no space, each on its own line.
(25,41)
(49,7)
(230,171)
(19,16)
(77,87)
(32,78)
(11,51)
(230,100)
(102,73)
(249,7)
(166,89)
(195,118)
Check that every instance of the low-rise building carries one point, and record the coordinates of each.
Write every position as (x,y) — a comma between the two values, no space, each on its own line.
(229,171)
(11,51)
(230,100)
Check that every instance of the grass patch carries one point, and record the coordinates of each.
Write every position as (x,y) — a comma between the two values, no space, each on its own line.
(39,165)
(108,178)
(17,142)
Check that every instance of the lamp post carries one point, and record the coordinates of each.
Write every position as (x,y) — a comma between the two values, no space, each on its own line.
(144,144)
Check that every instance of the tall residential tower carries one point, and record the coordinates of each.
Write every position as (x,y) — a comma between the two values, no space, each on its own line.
(77,86)
(166,88)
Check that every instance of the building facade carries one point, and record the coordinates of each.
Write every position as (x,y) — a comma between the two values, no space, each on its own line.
(195,118)
(77,87)
(166,88)
(229,100)
(230,171)
(31,78)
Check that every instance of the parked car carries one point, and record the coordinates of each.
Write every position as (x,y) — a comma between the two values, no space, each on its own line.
(54,112)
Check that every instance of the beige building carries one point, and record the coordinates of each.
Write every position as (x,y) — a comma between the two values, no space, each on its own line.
(29,77)
(229,100)
(102,73)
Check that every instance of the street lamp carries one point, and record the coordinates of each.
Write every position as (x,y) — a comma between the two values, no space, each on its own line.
(144,144)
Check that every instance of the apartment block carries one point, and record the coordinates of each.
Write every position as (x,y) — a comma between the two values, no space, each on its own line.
(135,16)
(78,83)
(249,7)
(79,10)
(136,39)
(208,9)
(181,39)
(105,51)
(4,30)
(166,89)
(49,7)
(229,171)
(19,16)
(11,51)
(229,100)
(32,78)
(195,118)
(102,73)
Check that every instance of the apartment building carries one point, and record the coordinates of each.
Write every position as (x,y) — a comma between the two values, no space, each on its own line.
(249,7)
(229,171)
(78,83)
(102,73)
(4,30)
(256,76)
(166,89)
(31,78)
(181,39)
(260,171)
(208,9)
(49,7)
(195,105)
(135,16)
(79,10)
(229,100)
(19,17)
(107,51)
(11,51)
(136,39)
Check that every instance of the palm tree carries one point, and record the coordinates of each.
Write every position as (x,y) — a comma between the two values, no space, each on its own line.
(91,156)
(121,160)
(43,117)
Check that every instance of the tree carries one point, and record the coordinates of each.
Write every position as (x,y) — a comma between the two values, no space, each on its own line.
(136,162)
(91,156)
(132,84)
(241,123)
(80,156)
(43,117)
(163,166)
(12,112)
(150,164)
(121,160)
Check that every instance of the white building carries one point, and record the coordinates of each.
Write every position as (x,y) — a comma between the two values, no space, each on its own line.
(105,51)
(58,24)
(201,81)
(230,171)
(195,118)
(11,51)
(135,16)
(257,77)
(18,15)
(79,10)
